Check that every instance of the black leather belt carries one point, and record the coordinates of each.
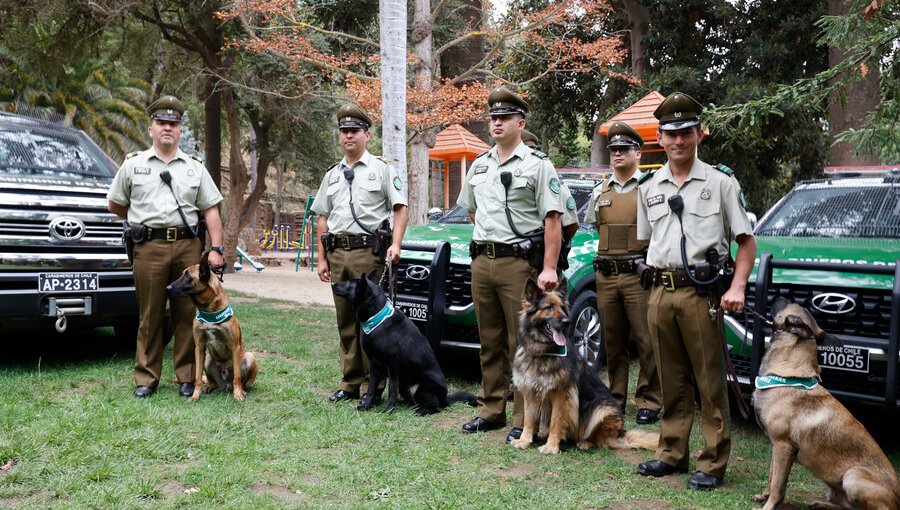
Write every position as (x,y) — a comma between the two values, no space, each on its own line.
(671,279)
(349,242)
(498,250)
(170,234)
(609,267)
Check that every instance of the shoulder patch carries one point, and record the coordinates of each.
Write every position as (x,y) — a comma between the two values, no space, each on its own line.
(645,176)
(132,154)
(397,183)
(539,154)
(197,158)
(570,204)
(724,169)
(554,185)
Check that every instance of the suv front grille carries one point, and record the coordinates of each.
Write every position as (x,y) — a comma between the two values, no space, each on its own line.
(459,283)
(870,319)
(40,229)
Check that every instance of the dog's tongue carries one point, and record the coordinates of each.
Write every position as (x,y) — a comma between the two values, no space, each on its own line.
(558,337)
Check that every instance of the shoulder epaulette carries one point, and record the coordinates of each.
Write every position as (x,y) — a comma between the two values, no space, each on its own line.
(385,160)
(132,154)
(645,176)
(539,154)
(724,169)
(598,183)
(482,154)
(197,158)
(332,166)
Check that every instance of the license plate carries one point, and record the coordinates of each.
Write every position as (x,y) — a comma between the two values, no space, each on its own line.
(851,359)
(68,282)
(415,311)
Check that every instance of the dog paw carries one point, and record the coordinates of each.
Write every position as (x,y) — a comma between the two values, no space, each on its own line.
(521,443)
(760,498)
(549,450)
(193,398)
(239,395)
(585,445)
(387,409)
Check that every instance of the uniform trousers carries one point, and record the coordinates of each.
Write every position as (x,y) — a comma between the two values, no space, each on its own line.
(622,305)
(497,288)
(158,263)
(689,356)
(347,265)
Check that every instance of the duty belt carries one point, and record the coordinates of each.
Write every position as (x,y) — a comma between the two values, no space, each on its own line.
(609,267)
(498,250)
(170,234)
(671,279)
(351,242)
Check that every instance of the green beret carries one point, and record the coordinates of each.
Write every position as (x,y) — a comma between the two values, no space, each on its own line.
(678,111)
(502,101)
(622,135)
(167,108)
(351,116)
(530,140)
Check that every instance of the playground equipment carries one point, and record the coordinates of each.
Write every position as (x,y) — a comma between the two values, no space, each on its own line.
(244,255)
(278,239)
(307,237)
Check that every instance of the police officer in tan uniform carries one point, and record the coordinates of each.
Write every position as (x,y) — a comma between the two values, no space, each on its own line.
(167,246)
(621,301)
(570,212)
(509,190)
(688,201)
(355,198)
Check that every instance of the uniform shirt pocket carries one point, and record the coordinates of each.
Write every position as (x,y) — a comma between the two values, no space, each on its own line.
(478,179)
(371,191)
(705,214)
(144,186)
(520,188)
(657,212)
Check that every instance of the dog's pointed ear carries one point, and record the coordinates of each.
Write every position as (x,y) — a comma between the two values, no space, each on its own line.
(204,267)
(563,288)
(532,291)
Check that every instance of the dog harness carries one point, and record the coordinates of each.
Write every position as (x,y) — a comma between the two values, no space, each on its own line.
(376,320)
(215,317)
(765,382)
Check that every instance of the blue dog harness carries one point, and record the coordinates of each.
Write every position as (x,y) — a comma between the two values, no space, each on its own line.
(765,382)
(376,320)
(215,317)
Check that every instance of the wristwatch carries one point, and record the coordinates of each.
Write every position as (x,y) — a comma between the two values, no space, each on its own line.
(220,249)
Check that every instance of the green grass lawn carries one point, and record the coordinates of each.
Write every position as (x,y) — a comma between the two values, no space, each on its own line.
(73,437)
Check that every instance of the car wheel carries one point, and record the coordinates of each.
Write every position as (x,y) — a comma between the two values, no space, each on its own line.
(585,331)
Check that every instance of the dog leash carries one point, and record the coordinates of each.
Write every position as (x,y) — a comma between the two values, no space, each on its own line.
(392,280)
(729,366)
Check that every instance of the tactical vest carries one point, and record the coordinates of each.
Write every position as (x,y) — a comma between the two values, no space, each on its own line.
(617,221)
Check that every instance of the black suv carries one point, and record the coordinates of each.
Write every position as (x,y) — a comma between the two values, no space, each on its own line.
(62,260)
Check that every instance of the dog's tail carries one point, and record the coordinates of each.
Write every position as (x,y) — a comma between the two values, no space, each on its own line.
(645,439)
(463,396)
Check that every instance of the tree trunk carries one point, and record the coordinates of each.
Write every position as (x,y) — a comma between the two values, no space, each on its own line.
(392,14)
(212,130)
(239,178)
(424,84)
(861,99)
(638,16)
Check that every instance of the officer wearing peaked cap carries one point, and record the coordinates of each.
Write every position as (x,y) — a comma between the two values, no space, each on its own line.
(693,230)
(530,140)
(509,191)
(164,244)
(357,197)
(621,301)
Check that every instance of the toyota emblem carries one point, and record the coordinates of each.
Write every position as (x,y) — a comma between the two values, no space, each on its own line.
(67,228)
(418,273)
(833,303)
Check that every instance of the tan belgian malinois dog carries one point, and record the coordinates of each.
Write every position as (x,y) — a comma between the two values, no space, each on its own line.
(806,424)
(218,346)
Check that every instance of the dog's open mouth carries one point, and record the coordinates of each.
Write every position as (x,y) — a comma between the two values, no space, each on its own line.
(558,338)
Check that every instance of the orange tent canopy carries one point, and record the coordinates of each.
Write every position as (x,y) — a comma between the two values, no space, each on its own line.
(639,116)
(456,143)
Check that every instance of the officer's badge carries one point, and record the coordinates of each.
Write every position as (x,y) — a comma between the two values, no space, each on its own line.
(397,183)
(371,176)
(479,169)
(518,173)
(554,185)
(142,170)
(334,178)
(570,203)
(604,203)
(190,173)
(655,200)
(705,193)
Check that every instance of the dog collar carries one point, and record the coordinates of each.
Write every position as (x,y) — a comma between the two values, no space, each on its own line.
(215,317)
(376,320)
(765,382)
(559,351)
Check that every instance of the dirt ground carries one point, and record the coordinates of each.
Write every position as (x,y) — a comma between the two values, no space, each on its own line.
(279,281)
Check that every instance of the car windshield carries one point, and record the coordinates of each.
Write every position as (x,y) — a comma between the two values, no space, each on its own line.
(839,210)
(28,151)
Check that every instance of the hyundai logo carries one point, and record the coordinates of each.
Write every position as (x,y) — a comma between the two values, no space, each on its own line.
(67,228)
(418,273)
(833,303)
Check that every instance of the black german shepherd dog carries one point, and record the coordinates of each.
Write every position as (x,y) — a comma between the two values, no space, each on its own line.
(396,350)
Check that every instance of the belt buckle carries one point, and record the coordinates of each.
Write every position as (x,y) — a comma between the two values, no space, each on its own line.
(668,280)
(344,242)
(171,234)
(490,250)
(614,267)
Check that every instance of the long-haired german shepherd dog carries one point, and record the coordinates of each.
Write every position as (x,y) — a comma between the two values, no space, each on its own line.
(396,350)
(218,344)
(554,380)
(806,424)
